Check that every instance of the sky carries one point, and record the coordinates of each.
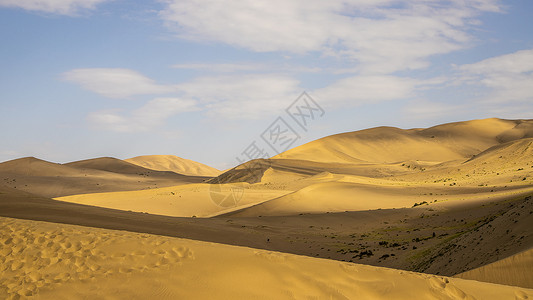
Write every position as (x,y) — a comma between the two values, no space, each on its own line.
(221,81)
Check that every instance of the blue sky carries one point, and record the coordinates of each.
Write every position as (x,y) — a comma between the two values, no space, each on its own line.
(203,79)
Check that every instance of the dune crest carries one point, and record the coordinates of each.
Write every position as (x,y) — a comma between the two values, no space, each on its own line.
(440,143)
(174,164)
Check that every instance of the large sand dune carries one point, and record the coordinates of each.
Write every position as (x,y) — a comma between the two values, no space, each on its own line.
(388,144)
(198,200)
(81,263)
(175,164)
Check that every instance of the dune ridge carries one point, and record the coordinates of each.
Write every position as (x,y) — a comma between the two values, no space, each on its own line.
(440,143)
(175,164)
(48,179)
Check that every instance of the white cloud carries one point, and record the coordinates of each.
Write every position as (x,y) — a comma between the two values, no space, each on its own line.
(518,62)
(222,68)
(246,67)
(382,36)
(224,97)
(424,109)
(235,96)
(116,83)
(360,90)
(62,7)
(110,120)
(159,109)
(151,115)
(508,77)
(242,96)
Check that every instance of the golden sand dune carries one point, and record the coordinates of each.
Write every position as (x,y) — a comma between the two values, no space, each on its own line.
(514,270)
(388,144)
(88,263)
(98,175)
(442,200)
(499,171)
(174,164)
(506,164)
(282,187)
(467,236)
(111,164)
(199,200)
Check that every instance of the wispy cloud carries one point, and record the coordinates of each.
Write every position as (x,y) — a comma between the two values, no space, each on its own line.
(222,68)
(240,96)
(379,36)
(247,67)
(425,109)
(116,83)
(509,78)
(62,7)
(151,115)
(500,86)
(358,90)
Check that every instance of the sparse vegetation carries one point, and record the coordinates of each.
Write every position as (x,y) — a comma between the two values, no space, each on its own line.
(420,203)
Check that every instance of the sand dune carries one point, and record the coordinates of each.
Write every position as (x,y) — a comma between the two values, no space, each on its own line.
(444,200)
(467,236)
(388,145)
(514,270)
(174,164)
(80,262)
(199,200)
(48,179)
(113,165)
(281,187)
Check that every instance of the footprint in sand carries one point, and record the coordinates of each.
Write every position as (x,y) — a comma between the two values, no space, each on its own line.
(520,295)
(444,286)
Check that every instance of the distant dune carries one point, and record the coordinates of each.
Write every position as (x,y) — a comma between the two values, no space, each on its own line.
(110,164)
(174,164)
(81,263)
(514,270)
(48,179)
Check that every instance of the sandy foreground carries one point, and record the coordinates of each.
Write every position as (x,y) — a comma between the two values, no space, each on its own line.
(57,261)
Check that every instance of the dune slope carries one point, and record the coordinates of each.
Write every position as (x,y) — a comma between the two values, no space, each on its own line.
(81,263)
(174,164)
(388,144)
(48,179)
(514,270)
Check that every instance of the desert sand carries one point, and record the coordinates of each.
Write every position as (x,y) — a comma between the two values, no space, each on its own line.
(514,270)
(48,179)
(175,164)
(54,261)
(450,200)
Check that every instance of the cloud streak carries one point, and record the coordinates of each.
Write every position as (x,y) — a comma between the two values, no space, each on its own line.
(509,77)
(154,113)
(61,7)
(116,83)
(381,37)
